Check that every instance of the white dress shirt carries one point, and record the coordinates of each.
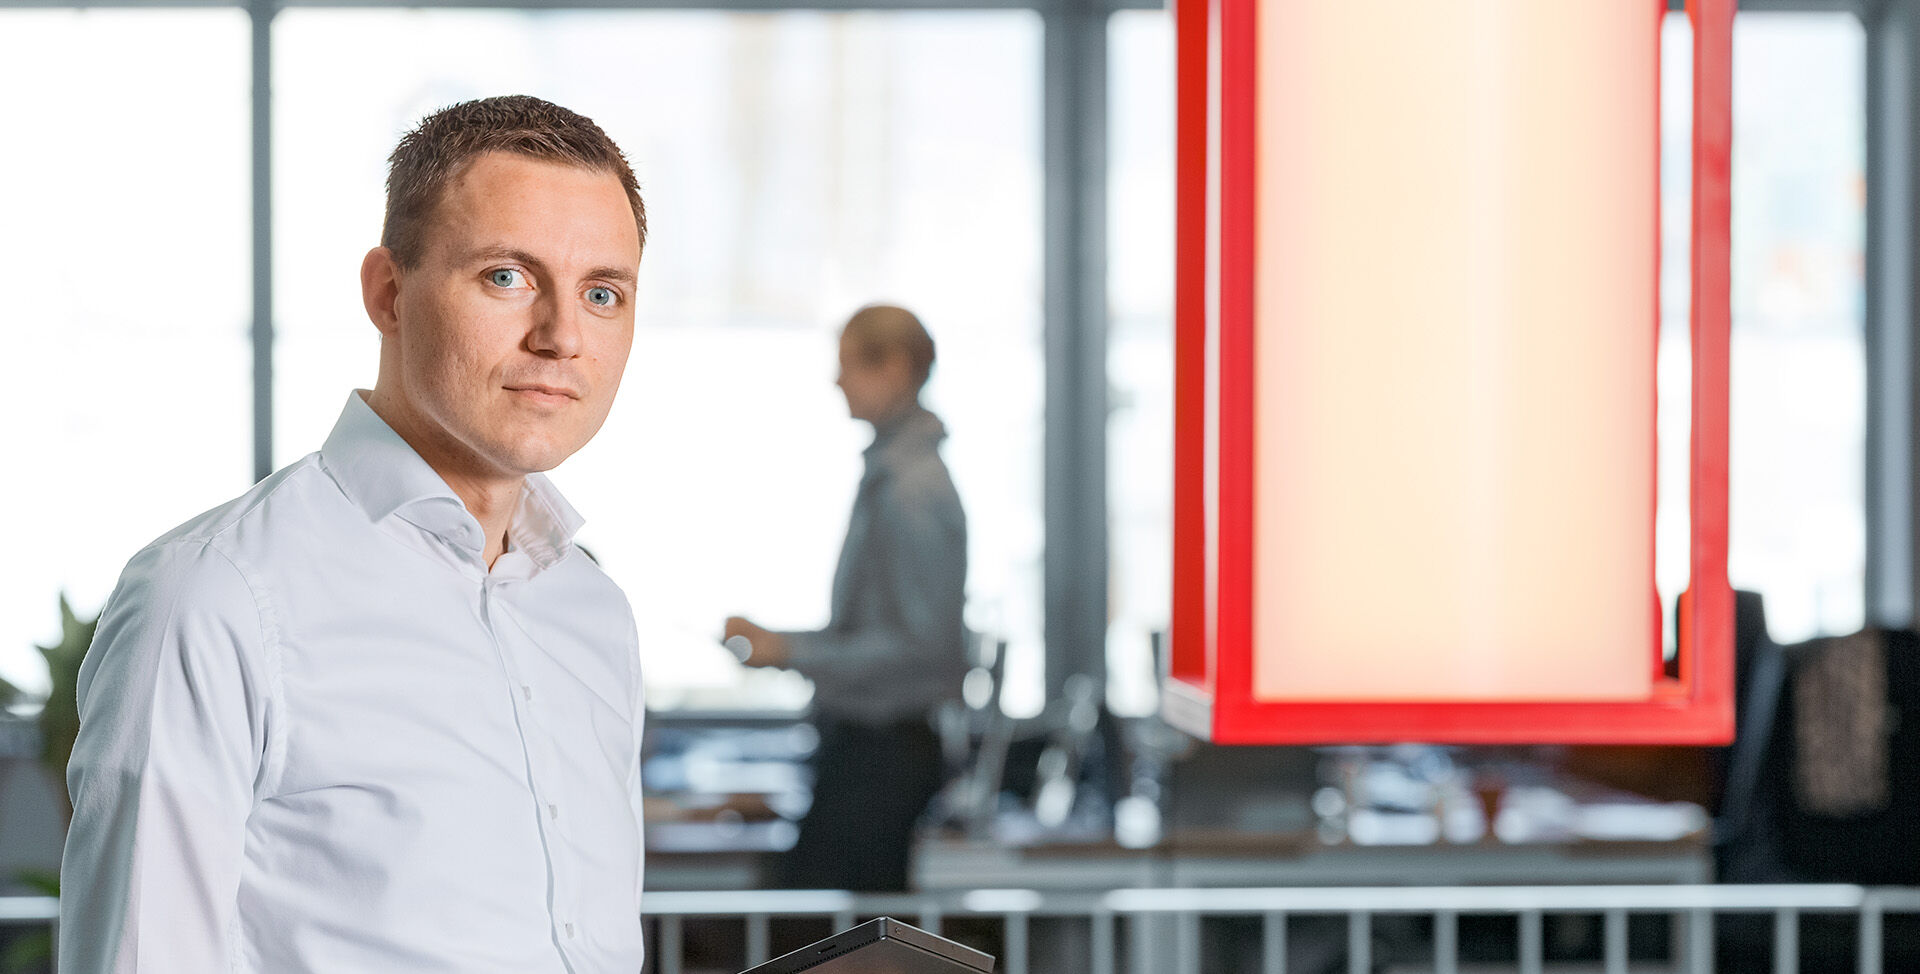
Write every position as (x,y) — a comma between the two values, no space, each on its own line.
(318,735)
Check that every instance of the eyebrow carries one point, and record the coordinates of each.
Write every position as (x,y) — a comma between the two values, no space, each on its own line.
(617,275)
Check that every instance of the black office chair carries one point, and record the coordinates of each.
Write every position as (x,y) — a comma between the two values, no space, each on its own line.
(1776,823)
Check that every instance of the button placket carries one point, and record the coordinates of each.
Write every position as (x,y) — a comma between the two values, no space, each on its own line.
(531,735)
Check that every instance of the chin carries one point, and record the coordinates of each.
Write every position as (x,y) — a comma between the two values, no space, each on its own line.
(534,457)
(536,447)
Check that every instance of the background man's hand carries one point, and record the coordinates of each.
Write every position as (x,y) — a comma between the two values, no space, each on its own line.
(769,648)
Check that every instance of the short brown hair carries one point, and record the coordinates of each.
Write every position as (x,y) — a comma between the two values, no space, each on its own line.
(880,330)
(445,143)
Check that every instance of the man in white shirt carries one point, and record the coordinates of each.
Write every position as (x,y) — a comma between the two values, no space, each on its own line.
(379,713)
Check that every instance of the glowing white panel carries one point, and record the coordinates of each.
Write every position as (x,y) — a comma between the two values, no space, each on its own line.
(1455,328)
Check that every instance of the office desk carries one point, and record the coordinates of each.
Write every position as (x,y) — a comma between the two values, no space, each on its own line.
(1215,859)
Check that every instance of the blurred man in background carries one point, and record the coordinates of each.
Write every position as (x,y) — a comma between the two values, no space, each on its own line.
(380,713)
(895,646)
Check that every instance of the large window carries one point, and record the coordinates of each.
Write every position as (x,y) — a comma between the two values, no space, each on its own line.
(1140,258)
(1799,393)
(127,315)
(1799,294)
(796,166)
(1797,499)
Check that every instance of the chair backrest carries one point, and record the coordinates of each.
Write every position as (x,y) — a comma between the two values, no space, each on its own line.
(1773,826)
(1845,834)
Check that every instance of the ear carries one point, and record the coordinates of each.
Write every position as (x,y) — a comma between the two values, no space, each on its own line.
(380,289)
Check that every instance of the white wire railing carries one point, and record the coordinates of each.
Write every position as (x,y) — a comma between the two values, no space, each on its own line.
(1163,925)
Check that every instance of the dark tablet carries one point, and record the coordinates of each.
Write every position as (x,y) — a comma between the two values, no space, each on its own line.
(882,946)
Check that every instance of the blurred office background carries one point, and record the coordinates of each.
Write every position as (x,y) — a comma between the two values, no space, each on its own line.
(186,190)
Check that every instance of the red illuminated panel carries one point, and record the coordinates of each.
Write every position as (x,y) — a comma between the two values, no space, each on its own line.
(1416,329)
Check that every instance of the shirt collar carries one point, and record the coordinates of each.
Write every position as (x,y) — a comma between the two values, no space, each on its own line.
(544,524)
(384,477)
(913,429)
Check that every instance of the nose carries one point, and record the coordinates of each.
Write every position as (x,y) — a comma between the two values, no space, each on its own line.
(556,331)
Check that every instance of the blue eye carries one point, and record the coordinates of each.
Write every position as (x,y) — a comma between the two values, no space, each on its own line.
(505,277)
(601,296)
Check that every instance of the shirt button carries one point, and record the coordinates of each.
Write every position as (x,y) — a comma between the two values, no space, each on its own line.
(553,811)
(569,927)
(526,692)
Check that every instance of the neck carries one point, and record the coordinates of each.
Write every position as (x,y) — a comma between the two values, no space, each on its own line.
(491,496)
(893,414)
(492,502)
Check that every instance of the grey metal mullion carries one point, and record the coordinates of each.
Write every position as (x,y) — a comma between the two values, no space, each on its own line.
(1075,332)
(261,13)
(1890,301)
(1891,95)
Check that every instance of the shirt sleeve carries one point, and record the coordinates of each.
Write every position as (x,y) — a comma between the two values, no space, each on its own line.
(921,579)
(173,727)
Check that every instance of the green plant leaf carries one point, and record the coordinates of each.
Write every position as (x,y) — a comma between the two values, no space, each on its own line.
(29,954)
(60,718)
(45,882)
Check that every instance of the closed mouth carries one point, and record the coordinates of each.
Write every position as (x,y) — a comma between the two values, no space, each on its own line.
(545,390)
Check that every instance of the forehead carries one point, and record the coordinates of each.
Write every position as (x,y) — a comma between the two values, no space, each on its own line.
(552,209)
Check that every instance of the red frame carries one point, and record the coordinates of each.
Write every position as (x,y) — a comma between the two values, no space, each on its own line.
(1209,690)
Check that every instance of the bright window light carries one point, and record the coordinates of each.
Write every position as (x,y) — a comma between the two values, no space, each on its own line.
(796,166)
(127,230)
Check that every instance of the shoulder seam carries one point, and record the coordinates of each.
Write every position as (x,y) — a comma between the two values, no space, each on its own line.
(273,758)
(214,531)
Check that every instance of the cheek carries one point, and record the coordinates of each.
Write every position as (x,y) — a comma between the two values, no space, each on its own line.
(616,350)
(608,360)
(458,350)
(447,361)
